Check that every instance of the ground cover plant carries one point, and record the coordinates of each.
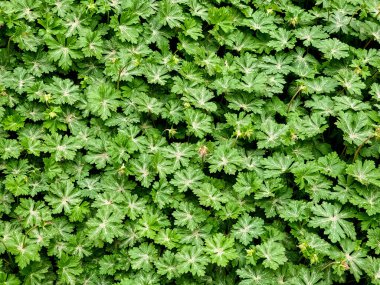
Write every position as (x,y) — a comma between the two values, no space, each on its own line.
(189,142)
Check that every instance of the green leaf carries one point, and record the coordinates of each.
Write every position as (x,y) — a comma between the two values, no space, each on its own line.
(167,265)
(63,196)
(311,35)
(247,183)
(186,214)
(365,172)
(61,147)
(192,259)
(254,275)
(63,91)
(261,21)
(91,43)
(9,148)
(282,39)
(331,165)
(276,165)
(156,74)
(355,127)
(68,269)
(226,159)
(373,269)
(220,249)
(307,276)
(105,226)
(35,274)
(33,213)
(294,211)
(189,178)
(222,18)
(247,228)
(170,14)
(17,185)
(63,50)
(102,100)
(270,134)
(126,28)
(332,218)
(369,199)
(210,196)
(142,257)
(350,81)
(192,28)
(353,257)
(24,249)
(9,279)
(373,242)
(13,122)
(198,123)
(332,48)
(273,254)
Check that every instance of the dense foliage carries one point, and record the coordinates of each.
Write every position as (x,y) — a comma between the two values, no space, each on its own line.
(189,142)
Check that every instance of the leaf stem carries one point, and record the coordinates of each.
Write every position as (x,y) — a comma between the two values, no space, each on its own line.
(118,78)
(11,262)
(329,264)
(367,43)
(343,150)
(294,97)
(373,75)
(352,16)
(361,146)
(9,44)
